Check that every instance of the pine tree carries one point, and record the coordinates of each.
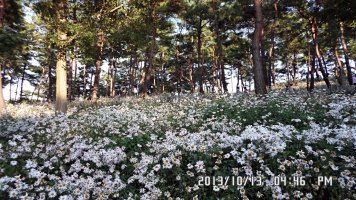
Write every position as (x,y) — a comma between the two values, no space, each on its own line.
(259,76)
(11,24)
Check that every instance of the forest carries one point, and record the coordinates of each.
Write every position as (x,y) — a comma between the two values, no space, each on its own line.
(177,99)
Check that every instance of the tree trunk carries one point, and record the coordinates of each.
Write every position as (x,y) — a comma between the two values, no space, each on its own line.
(344,47)
(95,91)
(22,81)
(61,71)
(98,63)
(223,77)
(339,68)
(113,91)
(308,63)
(270,64)
(110,79)
(84,81)
(200,67)
(129,74)
(2,101)
(217,48)
(294,67)
(314,30)
(152,51)
(221,66)
(288,70)
(243,88)
(91,83)
(160,82)
(77,87)
(39,84)
(50,91)
(312,71)
(33,93)
(270,73)
(260,83)
(2,12)
(214,67)
(61,82)
(237,72)
(190,75)
(17,88)
(264,58)
(10,88)
(70,81)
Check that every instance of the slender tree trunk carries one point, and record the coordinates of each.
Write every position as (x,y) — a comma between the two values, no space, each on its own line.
(220,63)
(39,84)
(91,80)
(223,77)
(70,73)
(33,93)
(136,69)
(75,78)
(84,81)
(344,47)
(214,67)
(270,63)
(324,63)
(308,68)
(200,67)
(143,89)
(162,79)
(76,84)
(128,76)
(113,91)
(17,88)
(50,83)
(22,81)
(98,64)
(2,101)
(152,51)
(294,67)
(217,50)
(242,83)
(314,30)
(10,88)
(160,82)
(109,79)
(95,91)
(270,73)
(190,75)
(312,71)
(237,72)
(2,12)
(288,70)
(339,68)
(260,83)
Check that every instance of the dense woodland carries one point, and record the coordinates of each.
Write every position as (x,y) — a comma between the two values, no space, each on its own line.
(158,46)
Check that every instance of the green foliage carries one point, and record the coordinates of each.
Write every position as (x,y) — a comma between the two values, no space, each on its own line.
(268,112)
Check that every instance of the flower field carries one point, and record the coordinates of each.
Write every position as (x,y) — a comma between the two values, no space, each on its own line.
(281,146)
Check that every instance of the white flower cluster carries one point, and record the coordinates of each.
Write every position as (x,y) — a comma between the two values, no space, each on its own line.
(151,150)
